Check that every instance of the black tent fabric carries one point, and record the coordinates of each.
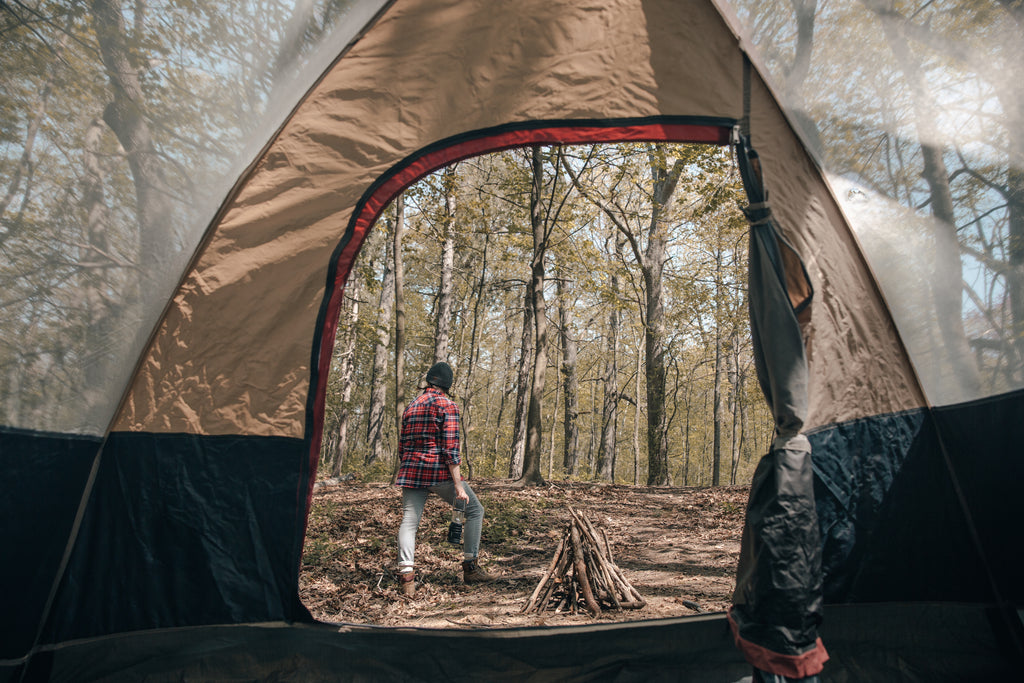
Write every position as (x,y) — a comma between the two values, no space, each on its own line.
(47,474)
(921,505)
(926,643)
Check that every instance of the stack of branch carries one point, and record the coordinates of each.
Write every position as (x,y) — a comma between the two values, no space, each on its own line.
(583,574)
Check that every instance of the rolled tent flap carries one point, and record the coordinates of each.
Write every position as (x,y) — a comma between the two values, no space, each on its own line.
(777,605)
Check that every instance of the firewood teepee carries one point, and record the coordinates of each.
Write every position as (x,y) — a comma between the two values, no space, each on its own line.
(583,573)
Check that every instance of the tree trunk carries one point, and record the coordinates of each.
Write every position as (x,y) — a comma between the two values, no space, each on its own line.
(947,286)
(716,454)
(444,291)
(686,439)
(506,382)
(375,451)
(741,396)
(467,402)
(705,443)
(345,372)
(13,404)
(515,467)
(653,267)
(636,418)
(396,254)
(534,432)
(126,116)
(657,452)
(604,468)
(592,444)
(551,438)
(94,281)
(734,407)
(570,446)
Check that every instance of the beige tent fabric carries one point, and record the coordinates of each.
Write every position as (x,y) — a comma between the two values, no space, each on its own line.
(232,355)
(858,367)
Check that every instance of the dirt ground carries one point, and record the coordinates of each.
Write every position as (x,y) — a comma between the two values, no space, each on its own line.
(677,546)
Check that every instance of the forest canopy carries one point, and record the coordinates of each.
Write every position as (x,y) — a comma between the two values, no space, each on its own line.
(122,127)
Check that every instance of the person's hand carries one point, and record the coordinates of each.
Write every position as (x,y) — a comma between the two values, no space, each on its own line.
(460,493)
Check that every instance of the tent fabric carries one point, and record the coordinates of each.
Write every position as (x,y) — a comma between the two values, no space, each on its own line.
(379,106)
(44,477)
(900,522)
(915,643)
(214,536)
(981,444)
(856,465)
(777,606)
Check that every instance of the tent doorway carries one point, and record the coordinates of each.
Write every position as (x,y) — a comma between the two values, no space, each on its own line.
(611,219)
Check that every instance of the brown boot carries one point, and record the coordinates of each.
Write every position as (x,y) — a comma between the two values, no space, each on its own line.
(408,581)
(472,572)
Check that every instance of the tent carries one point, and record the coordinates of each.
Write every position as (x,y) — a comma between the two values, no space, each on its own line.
(158,476)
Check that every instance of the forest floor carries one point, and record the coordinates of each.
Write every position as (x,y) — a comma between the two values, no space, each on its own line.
(677,546)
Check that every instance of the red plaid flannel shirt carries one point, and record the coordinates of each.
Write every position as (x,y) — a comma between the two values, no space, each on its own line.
(430,440)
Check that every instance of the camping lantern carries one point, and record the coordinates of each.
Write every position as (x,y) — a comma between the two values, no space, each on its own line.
(458,520)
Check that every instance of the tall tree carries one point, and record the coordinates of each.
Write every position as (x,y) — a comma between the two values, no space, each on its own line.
(604,467)
(474,351)
(126,114)
(738,408)
(444,290)
(541,229)
(97,308)
(570,420)
(523,382)
(382,327)
(716,456)
(551,437)
(1012,102)
(347,361)
(664,176)
(652,263)
(396,253)
(636,416)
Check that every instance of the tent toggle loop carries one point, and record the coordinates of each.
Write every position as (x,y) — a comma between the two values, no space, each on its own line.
(757,213)
(792,442)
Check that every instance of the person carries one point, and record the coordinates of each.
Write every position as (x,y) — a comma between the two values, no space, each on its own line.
(429,459)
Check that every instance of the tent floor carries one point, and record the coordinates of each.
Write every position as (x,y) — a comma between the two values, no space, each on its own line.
(900,642)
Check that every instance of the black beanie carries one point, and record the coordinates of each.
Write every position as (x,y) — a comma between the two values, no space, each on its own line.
(440,375)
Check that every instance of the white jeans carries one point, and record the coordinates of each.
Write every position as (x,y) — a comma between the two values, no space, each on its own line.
(413,501)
